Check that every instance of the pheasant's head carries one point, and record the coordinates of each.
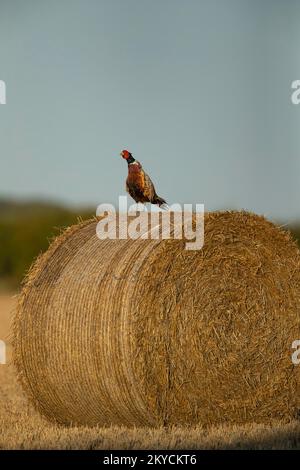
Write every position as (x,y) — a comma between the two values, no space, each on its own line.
(125,154)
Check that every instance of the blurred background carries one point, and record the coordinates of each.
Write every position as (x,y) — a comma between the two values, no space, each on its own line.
(198,90)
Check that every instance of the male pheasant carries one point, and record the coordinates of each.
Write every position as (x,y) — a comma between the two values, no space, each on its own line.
(139,184)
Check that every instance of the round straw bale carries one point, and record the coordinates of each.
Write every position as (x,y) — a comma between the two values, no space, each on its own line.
(144,332)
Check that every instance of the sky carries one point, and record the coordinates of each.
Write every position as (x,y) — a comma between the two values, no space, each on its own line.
(198,90)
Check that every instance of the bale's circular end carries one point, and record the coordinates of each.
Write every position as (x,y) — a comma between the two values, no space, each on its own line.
(141,332)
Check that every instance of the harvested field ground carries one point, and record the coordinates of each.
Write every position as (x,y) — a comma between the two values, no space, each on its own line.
(21,427)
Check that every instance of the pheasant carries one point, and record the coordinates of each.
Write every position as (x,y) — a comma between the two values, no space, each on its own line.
(139,184)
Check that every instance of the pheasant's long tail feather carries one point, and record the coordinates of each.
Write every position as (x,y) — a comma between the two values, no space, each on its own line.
(165,207)
(160,202)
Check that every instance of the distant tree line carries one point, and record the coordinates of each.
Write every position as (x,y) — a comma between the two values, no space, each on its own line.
(25,231)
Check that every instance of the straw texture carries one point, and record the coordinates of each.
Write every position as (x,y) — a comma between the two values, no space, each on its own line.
(144,332)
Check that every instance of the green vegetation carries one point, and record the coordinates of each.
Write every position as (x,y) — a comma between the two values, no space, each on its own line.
(25,231)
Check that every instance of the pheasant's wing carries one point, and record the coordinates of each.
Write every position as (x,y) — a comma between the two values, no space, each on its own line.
(149,189)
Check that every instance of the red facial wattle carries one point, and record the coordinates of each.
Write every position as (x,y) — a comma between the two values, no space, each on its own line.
(125,154)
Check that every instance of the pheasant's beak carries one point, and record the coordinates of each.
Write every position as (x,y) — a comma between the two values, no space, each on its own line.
(121,154)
